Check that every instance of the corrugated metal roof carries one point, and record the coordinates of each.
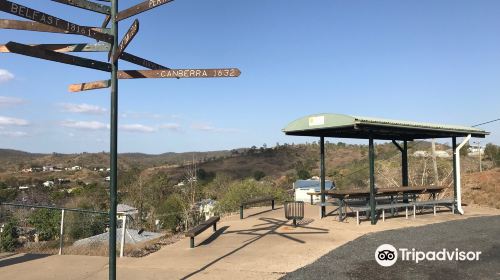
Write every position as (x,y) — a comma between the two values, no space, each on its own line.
(340,125)
(369,120)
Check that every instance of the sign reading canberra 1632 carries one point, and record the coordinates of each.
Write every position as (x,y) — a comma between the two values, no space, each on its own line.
(179,73)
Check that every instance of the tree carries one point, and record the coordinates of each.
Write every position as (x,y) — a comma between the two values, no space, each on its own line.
(303,174)
(257,175)
(171,212)
(46,222)
(8,237)
(492,152)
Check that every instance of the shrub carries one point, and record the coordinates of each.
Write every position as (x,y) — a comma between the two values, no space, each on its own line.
(240,191)
(171,212)
(257,175)
(303,174)
(8,238)
(46,222)
(83,225)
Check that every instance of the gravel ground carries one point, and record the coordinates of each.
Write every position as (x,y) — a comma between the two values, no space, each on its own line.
(356,259)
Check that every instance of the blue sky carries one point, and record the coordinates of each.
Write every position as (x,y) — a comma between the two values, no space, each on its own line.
(432,61)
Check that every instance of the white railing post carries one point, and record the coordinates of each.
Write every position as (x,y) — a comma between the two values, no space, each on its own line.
(124,224)
(61,235)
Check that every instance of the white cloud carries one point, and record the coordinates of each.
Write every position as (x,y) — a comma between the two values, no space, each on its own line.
(8,121)
(171,126)
(141,115)
(10,101)
(90,125)
(210,128)
(82,108)
(5,76)
(13,133)
(137,128)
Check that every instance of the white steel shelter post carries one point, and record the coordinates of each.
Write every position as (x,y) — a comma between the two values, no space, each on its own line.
(457,168)
(61,235)
(124,224)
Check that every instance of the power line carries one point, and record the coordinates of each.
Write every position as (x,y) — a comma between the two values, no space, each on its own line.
(486,122)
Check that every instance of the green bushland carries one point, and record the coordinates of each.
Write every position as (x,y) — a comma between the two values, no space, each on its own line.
(240,191)
(8,238)
(46,222)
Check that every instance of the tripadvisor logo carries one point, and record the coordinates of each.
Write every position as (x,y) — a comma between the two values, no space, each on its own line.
(387,255)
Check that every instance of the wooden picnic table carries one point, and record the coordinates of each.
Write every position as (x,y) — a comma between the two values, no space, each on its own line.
(342,195)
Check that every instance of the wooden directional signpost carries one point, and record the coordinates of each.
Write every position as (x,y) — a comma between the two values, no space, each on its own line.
(107,42)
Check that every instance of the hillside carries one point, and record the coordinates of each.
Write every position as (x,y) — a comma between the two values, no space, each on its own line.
(482,188)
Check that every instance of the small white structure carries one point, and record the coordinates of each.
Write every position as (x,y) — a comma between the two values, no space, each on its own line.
(302,187)
(126,209)
(48,168)
(107,179)
(439,154)
(48,183)
(76,167)
(476,151)
(421,154)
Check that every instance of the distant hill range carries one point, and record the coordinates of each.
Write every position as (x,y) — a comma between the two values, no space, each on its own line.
(14,160)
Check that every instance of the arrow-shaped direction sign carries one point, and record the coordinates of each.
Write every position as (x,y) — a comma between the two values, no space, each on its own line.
(106,21)
(31,14)
(180,73)
(35,26)
(66,47)
(87,5)
(89,86)
(57,57)
(141,61)
(132,31)
(139,8)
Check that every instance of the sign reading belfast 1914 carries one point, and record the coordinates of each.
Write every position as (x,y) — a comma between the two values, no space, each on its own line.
(43,22)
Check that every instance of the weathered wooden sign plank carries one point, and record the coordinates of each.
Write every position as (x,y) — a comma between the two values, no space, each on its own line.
(87,5)
(32,14)
(141,61)
(36,26)
(106,22)
(139,8)
(66,47)
(179,73)
(89,86)
(129,36)
(57,57)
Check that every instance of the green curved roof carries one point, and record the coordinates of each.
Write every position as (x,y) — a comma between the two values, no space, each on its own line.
(346,126)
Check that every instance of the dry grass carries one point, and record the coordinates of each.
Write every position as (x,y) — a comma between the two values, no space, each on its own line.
(482,188)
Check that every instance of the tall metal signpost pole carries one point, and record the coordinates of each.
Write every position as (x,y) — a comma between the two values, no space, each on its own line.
(113,142)
(107,42)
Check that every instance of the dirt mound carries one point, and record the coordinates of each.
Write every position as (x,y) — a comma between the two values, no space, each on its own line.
(482,188)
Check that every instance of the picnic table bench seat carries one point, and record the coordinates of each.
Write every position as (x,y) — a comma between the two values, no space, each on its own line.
(201,228)
(414,204)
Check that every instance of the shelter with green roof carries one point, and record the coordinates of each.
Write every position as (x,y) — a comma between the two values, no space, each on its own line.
(356,127)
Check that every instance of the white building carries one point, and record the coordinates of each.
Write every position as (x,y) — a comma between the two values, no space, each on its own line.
(48,168)
(439,154)
(48,183)
(476,151)
(302,187)
(76,167)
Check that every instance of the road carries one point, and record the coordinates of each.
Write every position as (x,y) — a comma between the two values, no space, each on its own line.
(356,259)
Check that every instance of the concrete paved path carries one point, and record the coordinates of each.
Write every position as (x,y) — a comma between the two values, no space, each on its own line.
(262,246)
